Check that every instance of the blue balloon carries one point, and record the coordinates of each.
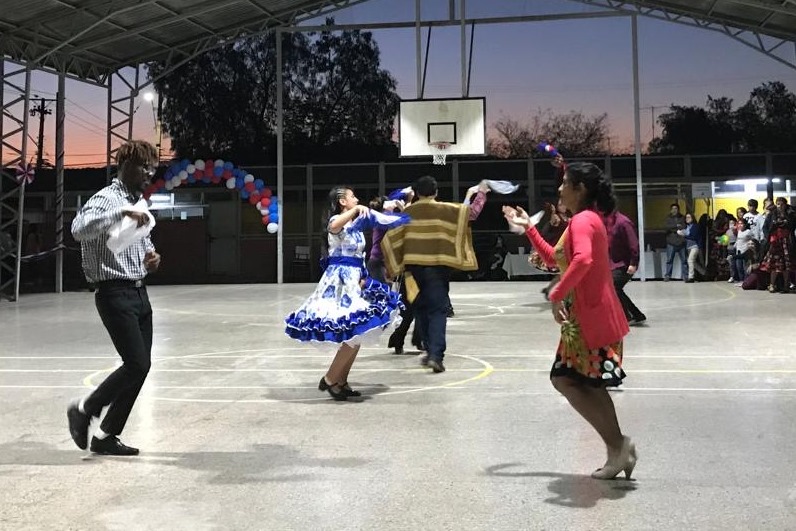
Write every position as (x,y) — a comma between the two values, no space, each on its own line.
(206,179)
(191,179)
(239,182)
(228,165)
(273,217)
(168,175)
(244,194)
(184,163)
(259,184)
(218,171)
(175,167)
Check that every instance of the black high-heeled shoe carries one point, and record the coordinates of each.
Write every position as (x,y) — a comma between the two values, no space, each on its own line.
(339,396)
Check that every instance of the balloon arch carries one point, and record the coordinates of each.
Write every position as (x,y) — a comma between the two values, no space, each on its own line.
(216,172)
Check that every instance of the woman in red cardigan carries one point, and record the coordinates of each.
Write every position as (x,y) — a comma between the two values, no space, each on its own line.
(589,355)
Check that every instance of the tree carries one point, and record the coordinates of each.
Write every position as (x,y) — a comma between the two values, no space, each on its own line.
(337,99)
(573,133)
(685,130)
(767,122)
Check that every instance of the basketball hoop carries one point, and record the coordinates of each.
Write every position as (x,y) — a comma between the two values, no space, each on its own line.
(438,152)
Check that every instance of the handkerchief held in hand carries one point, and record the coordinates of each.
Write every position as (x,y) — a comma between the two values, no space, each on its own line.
(126,232)
(502,187)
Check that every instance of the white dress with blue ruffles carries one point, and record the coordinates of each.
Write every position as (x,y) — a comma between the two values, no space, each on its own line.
(339,310)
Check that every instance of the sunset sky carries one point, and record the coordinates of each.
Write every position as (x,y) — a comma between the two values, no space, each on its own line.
(561,65)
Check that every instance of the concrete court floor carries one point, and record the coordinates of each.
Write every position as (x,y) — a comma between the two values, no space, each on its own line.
(235,435)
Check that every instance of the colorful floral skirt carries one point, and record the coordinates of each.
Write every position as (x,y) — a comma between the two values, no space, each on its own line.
(601,367)
(778,258)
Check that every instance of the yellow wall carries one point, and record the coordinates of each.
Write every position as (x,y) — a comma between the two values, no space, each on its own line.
(657,208)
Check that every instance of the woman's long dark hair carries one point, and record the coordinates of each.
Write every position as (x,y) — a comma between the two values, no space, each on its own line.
(599,188)
(333,208)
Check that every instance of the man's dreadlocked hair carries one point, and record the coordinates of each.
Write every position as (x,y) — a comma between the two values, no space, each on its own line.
(138,152)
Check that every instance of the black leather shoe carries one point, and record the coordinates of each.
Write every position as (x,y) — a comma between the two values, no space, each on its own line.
(340,396)
(424,360)
(348,391)
(111,445)
(78,425)
(436,366)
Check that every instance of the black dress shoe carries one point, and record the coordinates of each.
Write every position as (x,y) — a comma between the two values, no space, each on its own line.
(340,396)
(78,425)
(436,366)
(111,445)
(399,350)
(424,360)
(348,391)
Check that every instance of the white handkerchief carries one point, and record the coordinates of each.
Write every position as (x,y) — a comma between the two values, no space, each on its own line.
(502,187)
(126,232)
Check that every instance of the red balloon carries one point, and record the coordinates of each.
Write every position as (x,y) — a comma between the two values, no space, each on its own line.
(215,180)
(254,199)
(227,174)
(209,165)
(267,192)
(249,187)
(265,202)
(198,174)
(160,183)
(266,220)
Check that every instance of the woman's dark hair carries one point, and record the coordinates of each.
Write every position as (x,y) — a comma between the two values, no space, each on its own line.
(377,203)
(693,218)
(335,195)
(599,188)
(744,222)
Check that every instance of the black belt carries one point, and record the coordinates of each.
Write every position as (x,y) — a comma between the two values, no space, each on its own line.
(109,284)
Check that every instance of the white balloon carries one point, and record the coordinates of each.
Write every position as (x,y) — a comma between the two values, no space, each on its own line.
(169,185)
(272,228)
(219,163)
(191,168)
(183,175)
(176,181)
(200,164)
(231,184)
(249,178)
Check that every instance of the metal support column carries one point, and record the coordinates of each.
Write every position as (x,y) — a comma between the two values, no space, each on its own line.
(280,162)
(120,116)
(531,176)
(637,127)
(310,199)
(60,117)
(418,50)
(463,27)
(15,99)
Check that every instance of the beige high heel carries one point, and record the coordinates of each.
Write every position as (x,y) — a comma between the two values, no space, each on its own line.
(624,462)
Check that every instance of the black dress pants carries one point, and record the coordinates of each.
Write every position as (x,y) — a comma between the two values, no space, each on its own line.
(127,315)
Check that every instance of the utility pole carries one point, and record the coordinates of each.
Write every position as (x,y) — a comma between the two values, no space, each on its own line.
(42,111)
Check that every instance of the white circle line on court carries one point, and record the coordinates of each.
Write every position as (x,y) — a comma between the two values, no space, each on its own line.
(482,373)
(408,356)
(509,391)
(412,369)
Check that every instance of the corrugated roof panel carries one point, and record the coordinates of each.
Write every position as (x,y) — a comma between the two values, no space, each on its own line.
(115,33)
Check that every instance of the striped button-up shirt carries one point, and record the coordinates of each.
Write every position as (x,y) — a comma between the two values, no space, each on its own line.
(90,228)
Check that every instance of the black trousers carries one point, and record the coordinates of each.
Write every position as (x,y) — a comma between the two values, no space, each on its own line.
(127,315)
(621,277)
(431,307)
(398,337)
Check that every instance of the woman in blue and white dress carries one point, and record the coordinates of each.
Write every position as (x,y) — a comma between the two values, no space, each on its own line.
(347,307)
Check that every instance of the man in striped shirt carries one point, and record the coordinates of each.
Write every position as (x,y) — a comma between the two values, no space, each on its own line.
(121,298)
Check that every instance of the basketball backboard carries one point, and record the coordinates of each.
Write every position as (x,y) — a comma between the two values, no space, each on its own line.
(459,122)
